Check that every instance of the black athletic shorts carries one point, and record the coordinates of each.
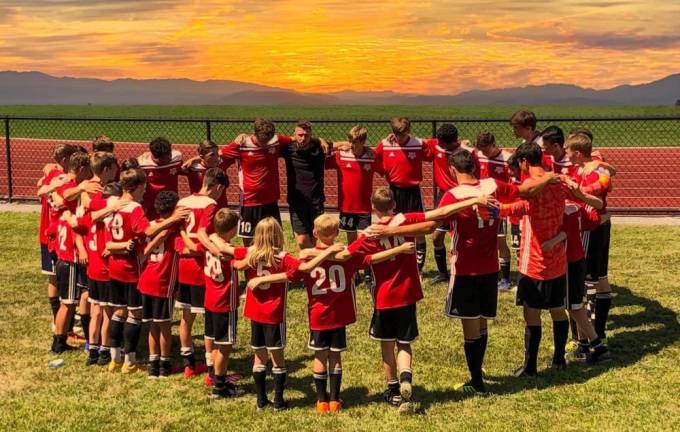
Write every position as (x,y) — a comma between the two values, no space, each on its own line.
(437,199)
(399,324)
(471,297)
(302,215)
(353,222)
(156,309)
(97,291)
(323,340)
(191,297)
(82,281)
(576,284)
(542,294)
(125,294)
(220,327)
(596,244)
(250,216)
(67,282)
(48,260)
(269,336)
(515,236)
(408,199)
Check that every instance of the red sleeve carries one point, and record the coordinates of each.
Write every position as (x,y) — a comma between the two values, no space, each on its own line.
(363,246)
(428,149)
(506,192)
(230,153)
(199,247)
(179,244)
(590,219)
(290,265)
(207,217)
(547,162)
(447,199)
(98,204)
(285,140)
(413,218)
(240,253)
(139,222)
(517,208)
(84,223)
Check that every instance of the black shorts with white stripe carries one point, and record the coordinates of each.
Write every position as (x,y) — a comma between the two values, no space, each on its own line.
(323,340)
(394,325)
(48,260)
(269,336)
(220,327)
(542,294)
(576,284)
(407,199)
(67,282)
(97,291)
(472,296)
(596,245)
(353,222)
(156,309)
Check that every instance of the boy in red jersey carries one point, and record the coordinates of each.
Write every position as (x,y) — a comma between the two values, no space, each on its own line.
(554,154)
(194,169)
(222,299)
(191,296)
(596,181)
(161,165)
(129,226)
(157,284)
(523,125)
(493,163)
(48,183)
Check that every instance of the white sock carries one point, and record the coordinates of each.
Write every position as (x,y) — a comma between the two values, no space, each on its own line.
(208,359)
(130,358)
(116,354)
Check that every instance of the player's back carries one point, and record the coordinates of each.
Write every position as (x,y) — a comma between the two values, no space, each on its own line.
(221,281)
(494,167)
(267,303)
(126,224)
(159,276)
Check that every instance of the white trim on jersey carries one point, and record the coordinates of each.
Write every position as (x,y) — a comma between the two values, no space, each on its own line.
(146,161)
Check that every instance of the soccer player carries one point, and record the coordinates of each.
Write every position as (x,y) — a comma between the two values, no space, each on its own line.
(191,296)
(162,165)
(129,227)
(493,163)
(554,154)
(102,143)
(596,182)
(194,169)
(257,158)
(265,307)
(157,286)
(440,149)
(222,299)
(402,157)
(524,127)
(67,252)
(305,161)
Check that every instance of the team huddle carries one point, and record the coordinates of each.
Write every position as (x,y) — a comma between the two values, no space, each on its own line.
(122,248)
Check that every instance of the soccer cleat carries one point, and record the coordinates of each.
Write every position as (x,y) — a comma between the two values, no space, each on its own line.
(166,369)
(571,346)
(104,358)
(334,406)
(504,285)
(280,406)
(558,366)
(228,391)
(75,339)
(392,398)
(440,278)
(522,371)
(264,405)
(599,354)
(469,389)
(406,407)
(406,391)
(581,353)
(114,366)
(92,360)
(190,372)
(130,368)
(208,381)
(322,407)
(154,373)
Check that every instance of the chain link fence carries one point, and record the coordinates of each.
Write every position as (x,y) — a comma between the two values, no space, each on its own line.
(644,151)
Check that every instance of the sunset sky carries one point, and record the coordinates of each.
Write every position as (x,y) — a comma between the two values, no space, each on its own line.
(434,47)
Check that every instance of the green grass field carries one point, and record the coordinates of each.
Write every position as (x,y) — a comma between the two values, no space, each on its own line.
(636,391)
(614,133)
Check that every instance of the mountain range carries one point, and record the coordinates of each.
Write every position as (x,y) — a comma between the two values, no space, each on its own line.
(36,88)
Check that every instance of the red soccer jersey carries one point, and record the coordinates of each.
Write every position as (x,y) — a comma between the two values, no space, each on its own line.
(474,231)
(159,178)
(330,292)
(564,166)
(159,276)
(45,203)
(128,223)
(402,164)
(267,303)
(65,239)
(597,182)
(221,282)
(397,281)
(258,168)
(355,179)
(443,177)
(494,167)
(543,216)
(202,214)
(95,238)
(195,174)
(576,220)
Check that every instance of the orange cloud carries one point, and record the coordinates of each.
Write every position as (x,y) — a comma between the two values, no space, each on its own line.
(436,47)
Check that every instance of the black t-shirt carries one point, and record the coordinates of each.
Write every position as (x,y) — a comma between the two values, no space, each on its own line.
(305,173)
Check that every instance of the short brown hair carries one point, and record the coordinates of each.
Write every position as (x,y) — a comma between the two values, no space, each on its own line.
(523,118)
(132,179)
(63,151)
(304,124)
(485,139)
(357,134)
(582,131)
(400,125)
(225,220)
(78,160)
(214,177)
(102,143)
(382,199)
(326,224)
(263,128)
(206,146)
(579,142)
(101,160)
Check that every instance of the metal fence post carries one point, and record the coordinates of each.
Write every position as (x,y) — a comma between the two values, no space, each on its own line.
(208,130)
(434,184)
(8,154)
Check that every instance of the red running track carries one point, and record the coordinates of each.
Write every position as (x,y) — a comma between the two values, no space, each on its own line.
(647,180)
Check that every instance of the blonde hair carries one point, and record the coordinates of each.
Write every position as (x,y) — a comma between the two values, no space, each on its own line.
(400,125)
(579,142)
(326,225)
(357,134)
(382,199)
(267,243)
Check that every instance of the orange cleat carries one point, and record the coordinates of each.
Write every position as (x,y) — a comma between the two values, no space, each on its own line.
(208,381)
(322,407)
(335,406)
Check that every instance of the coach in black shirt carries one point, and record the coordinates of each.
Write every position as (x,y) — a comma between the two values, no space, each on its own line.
(305,162)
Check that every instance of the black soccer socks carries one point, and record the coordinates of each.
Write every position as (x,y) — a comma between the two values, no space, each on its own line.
(560,336)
